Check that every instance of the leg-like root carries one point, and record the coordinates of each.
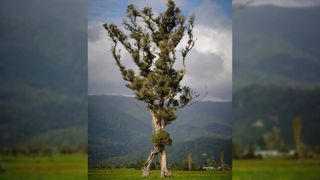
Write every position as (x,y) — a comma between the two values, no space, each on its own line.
(165,173)
(164,170)
(147,164)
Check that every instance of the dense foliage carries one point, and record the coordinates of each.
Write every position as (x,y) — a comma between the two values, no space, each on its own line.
(161,138)
(152,46)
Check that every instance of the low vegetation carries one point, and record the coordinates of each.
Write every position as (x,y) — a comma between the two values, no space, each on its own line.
(68,167)
(133,174)
(276,169)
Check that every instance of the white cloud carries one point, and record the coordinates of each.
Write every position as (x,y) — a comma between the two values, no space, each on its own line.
(209,63)
(216,41)
(102,70)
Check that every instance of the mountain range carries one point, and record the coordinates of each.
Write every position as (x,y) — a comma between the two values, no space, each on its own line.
(43,79)
(120,131)
(276,46)
(276,70)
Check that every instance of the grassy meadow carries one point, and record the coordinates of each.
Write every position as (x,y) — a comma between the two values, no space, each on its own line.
(282,169)
(74,166)
(67,167)
(132,174)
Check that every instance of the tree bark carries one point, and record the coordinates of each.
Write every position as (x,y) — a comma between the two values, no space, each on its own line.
(157,125)
(163,162)
(155,122)
(147,164)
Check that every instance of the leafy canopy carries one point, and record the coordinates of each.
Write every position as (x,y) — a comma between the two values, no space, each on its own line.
(151,42)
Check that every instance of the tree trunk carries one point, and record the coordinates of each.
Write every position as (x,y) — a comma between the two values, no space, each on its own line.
(157,125)
(163,162)
(147,164)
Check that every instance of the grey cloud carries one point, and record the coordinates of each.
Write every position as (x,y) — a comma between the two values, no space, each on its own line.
(103,74)
(203,66)
(207,71)
(204,69)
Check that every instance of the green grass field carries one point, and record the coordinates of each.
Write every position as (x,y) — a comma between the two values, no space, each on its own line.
(71,167)
(132,174)
(276,169)
(66,167)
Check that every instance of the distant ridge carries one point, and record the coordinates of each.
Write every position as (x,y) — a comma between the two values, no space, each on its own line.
(120,130)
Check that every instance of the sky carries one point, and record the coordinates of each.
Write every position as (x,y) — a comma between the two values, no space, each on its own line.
(282,3)
(209,64)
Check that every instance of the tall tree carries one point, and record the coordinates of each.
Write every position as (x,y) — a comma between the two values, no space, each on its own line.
(152,42)
(222,160)
(297,128)
(273,139)
(189,159)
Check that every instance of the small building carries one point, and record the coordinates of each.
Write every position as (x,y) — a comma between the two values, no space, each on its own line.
(267,153)
(208,168)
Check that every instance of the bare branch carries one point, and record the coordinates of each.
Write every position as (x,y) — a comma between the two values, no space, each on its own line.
(190,44)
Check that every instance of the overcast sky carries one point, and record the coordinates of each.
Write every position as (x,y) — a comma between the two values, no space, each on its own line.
(282,3)
(209,64)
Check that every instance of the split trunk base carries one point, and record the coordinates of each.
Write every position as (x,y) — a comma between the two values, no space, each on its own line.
(163,162)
